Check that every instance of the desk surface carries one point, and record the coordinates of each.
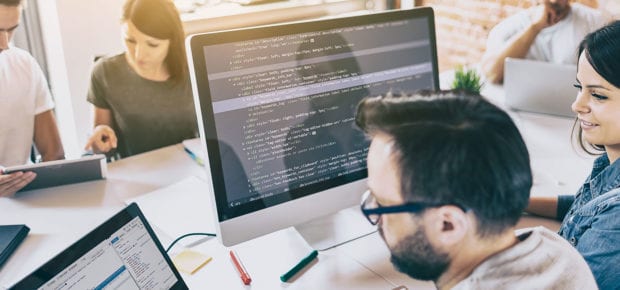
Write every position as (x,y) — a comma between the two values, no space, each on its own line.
(59,216)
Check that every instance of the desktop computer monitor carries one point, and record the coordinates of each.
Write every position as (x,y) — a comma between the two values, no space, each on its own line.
(276,107)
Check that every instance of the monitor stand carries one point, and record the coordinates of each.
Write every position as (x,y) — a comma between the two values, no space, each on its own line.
(336,229)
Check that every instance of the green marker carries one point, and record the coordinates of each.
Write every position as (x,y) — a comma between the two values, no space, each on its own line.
(304,262)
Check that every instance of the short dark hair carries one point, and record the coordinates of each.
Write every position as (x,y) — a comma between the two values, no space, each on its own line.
(11,2)
(455,147)
(601,48)
(160,19)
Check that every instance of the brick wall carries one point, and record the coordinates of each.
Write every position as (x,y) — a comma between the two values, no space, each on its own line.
(463,26)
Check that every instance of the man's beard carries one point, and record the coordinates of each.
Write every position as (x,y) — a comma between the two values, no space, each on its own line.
(416,257)
(560,9)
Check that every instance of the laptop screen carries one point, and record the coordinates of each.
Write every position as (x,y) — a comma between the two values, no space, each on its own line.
(122,253)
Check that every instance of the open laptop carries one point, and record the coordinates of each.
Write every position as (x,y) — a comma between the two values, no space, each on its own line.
(122,253)
(540,87)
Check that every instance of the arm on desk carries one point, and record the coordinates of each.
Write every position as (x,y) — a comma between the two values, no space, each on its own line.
(543,206)
(554,207)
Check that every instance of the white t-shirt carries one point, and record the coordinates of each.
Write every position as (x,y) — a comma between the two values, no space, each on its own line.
(23,94)
(540,260)
(558,43)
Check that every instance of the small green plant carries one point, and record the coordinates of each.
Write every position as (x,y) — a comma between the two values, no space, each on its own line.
(467,80)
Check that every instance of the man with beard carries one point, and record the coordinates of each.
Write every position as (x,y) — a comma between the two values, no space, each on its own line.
(548,32)
(449,176)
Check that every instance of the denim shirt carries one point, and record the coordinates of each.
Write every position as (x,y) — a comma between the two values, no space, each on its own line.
(592,224)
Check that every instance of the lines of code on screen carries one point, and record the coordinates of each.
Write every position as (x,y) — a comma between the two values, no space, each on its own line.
(284,106)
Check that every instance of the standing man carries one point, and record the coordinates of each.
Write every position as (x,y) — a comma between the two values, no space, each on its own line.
(548,32)
(449,176)
(26,115)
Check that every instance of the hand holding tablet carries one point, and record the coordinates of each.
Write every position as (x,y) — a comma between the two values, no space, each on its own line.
(53,173)
(11,183)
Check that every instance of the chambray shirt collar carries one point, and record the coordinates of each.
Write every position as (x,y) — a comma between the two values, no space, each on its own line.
(604,177)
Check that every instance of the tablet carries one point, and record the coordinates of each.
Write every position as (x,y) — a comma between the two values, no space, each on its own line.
(121,253)
(60,172)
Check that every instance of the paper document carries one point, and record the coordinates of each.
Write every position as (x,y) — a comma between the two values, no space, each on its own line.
(180,208)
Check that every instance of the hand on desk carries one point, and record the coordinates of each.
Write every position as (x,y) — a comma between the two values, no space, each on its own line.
(11,183)
(102,140)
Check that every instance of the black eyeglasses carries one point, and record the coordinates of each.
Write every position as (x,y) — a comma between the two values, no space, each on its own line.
(371,209)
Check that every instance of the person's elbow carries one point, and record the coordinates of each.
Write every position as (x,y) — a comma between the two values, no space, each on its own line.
(47,137)
(494,77)
(490,69)
(56,152)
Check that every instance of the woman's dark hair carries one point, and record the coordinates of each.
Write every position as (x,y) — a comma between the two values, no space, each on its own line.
(160,19)
(455,148)
(602,50)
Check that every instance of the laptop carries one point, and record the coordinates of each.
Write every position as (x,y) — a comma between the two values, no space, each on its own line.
(540,87)
(121,253)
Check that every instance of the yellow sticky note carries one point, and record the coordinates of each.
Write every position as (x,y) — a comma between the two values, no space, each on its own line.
(190,261)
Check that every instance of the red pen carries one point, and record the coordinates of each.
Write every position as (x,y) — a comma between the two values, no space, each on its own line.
(243,273)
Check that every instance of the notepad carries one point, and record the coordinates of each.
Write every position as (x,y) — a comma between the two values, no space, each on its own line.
(11,236)
(190,261)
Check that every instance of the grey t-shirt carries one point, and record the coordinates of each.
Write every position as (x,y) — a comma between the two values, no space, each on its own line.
(541,260)
(146,114)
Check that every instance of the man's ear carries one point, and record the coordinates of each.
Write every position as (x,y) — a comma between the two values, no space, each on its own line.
(449,225)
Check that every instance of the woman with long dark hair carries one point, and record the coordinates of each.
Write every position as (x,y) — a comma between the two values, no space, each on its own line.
(591,218)
(142,97)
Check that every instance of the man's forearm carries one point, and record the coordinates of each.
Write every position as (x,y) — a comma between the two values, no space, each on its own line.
(47,137)
(516,47)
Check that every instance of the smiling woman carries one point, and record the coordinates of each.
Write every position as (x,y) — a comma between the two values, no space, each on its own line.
(142,97)
(598,103)
(591,217)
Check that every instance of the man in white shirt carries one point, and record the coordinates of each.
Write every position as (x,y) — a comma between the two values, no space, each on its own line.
(26,115)
(549,32)
(448,177)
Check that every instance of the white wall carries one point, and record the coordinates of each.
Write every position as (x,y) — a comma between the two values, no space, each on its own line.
(75,31)
(610,6)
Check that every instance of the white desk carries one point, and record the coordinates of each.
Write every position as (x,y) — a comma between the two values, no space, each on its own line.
(59,216)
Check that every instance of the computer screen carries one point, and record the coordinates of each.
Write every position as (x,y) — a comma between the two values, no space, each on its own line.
(122,253)
(277,105)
